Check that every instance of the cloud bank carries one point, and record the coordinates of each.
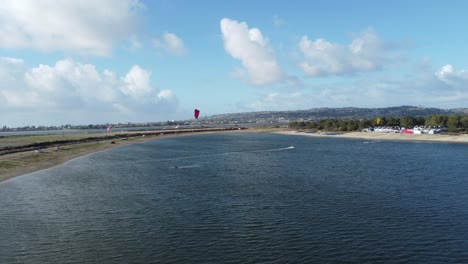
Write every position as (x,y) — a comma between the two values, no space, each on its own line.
(365,53)
(253,50)
(444,88)
(85,27)
(79,93)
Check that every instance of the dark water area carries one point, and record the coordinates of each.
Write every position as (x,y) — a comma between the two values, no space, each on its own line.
(243,198)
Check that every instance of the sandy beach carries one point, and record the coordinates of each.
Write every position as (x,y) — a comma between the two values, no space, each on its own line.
(24,162)
(384,136)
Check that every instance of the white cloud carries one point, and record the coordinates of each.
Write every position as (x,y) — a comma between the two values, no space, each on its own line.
(444,88)
(321,58)
(253,50)
(170,43)
(166,95)
(78,93)
(445,71)
(11,61)
(86,27)
(137,83)
(449,75)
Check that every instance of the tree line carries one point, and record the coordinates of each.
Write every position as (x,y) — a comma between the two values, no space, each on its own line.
(454,123)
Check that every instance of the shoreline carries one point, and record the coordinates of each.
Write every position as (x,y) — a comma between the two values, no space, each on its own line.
(459,139)
(28,161)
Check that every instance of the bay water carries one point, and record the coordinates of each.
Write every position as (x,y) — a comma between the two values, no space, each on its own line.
(243,198)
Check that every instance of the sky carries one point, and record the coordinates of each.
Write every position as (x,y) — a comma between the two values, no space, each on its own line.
(118,61)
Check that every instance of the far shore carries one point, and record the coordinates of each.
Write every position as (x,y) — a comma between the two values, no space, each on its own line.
(462,138)
(28,161)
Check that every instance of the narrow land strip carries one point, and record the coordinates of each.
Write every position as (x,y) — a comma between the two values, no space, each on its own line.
(31,153)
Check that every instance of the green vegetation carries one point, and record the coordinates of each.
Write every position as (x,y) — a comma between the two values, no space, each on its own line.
(8,165)
(34,158)
(454,123)
(83,147)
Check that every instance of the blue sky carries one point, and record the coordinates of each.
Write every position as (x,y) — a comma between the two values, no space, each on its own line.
(109,61)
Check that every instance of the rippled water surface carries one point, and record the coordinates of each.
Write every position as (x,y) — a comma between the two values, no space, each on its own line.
(243,198)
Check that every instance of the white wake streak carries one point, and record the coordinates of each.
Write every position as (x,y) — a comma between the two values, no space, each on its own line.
(216,154)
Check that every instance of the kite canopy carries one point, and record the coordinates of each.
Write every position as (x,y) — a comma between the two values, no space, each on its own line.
(196,113)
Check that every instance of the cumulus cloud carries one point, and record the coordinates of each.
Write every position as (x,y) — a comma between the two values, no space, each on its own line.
(170,43)
(449,75)
(137,82)
(253,50)
(85,27)
(79,93)
(321,58)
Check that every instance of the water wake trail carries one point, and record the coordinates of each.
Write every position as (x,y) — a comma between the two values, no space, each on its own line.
(214,155)
(371,142)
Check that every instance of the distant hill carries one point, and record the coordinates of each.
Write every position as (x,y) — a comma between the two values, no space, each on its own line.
(337,113)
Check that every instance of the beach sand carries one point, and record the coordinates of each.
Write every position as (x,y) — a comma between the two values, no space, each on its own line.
(463,138)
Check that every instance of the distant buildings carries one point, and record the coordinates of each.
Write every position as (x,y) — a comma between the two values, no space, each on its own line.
(416,130)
